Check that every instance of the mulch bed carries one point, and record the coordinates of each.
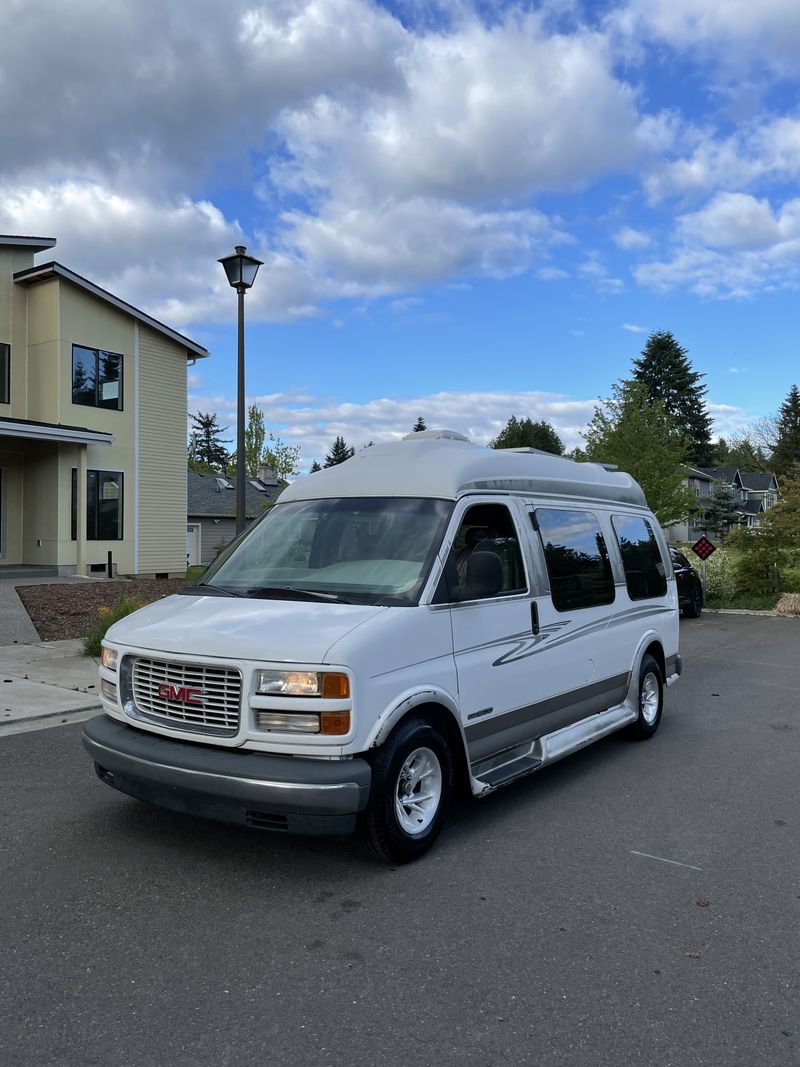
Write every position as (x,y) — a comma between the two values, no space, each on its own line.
(70,609)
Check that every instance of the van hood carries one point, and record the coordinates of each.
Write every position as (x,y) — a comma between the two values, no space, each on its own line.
(234,628)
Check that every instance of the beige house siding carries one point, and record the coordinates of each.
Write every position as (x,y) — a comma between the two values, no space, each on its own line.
(13,328)
(162,454)
(43,314)
(11,468)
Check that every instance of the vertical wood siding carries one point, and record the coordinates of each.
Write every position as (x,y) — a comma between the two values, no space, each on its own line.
(162,454)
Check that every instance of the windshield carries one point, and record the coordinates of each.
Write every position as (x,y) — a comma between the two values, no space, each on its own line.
(360,550)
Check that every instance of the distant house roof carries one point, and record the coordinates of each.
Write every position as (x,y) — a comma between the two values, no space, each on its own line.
(214,495)
(722,474)
(698,475)
(46,271)
(751,507)
(759,481)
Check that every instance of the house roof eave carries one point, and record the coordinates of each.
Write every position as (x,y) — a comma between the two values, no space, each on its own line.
(46,271)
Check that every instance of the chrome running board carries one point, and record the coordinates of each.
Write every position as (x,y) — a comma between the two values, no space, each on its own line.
(552,747)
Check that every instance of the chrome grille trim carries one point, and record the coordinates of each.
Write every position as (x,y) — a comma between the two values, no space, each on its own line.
(221,689)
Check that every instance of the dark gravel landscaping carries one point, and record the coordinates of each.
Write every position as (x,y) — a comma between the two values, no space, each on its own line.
(66,610)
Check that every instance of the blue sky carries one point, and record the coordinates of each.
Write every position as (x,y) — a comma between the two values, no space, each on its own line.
(465,210)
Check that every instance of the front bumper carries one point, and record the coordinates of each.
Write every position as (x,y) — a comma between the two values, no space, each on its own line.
(258,789)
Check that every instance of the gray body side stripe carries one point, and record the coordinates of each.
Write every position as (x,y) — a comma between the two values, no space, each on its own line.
(606,693)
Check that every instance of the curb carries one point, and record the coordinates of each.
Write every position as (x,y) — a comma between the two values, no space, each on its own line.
(40,722)
(749,611)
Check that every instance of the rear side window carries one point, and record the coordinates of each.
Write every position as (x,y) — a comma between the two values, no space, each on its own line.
(577,558)
(645,575)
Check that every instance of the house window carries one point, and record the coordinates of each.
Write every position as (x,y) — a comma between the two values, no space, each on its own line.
(645,574)
(5,374)
(577,559)
(96,378)
(103,506)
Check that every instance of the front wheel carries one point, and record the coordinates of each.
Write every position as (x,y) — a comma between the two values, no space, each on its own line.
(651,700)
(412,783)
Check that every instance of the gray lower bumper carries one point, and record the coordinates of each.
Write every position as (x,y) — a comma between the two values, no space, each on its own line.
(258,789)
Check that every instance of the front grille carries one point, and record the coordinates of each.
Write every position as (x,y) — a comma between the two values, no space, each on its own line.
(159,691)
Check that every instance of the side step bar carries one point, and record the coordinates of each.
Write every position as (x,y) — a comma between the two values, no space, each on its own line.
(552,747)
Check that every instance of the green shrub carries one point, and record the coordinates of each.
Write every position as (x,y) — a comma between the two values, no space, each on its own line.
(106,617)
(720,574)
(761,560)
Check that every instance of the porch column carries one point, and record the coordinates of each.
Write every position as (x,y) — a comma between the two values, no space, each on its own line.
(81,511)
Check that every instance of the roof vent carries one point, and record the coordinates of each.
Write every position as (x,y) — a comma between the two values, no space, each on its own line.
(436,435)
(223,483)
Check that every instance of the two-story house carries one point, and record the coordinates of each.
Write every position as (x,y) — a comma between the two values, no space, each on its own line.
(762,487)
(92,423)
(750,505)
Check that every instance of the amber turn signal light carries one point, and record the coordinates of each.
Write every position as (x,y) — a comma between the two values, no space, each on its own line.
(335,687)
(334,722)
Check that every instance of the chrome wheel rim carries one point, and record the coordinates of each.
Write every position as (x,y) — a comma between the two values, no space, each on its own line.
(418,791)
(649,698)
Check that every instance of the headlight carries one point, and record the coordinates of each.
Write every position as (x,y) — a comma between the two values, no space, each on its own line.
(109,657)
(329,684)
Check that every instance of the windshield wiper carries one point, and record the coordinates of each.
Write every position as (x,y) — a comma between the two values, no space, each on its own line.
(312,594)
(209,590)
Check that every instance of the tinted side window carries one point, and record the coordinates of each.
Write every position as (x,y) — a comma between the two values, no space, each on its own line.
(577,558)
(485,560)
(645,575)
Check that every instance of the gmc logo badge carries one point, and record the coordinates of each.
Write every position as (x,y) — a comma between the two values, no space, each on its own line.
(186,696)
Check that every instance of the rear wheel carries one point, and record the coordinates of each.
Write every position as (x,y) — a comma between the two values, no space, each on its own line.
(412,783)
(695,605)
(651,700)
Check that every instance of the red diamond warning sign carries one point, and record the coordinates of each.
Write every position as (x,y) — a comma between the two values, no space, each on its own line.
(703,548)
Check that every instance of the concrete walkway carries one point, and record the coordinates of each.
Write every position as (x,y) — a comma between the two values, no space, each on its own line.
(46,683)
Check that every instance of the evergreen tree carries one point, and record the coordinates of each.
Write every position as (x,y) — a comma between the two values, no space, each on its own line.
(524,433)
(722,509)
(419,425)
(340,451)
(209,445)
(642,439)
(315,467)
(787,446)
(665,371)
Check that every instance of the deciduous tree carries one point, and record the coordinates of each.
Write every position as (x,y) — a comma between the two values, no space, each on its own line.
(636,433)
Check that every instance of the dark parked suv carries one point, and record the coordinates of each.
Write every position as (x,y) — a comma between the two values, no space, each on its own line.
(690,588)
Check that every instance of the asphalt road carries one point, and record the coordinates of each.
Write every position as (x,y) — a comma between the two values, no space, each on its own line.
(635,904)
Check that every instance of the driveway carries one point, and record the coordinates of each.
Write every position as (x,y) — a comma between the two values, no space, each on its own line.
(635,904)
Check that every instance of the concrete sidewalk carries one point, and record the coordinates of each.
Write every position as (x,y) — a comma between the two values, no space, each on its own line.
(46,683)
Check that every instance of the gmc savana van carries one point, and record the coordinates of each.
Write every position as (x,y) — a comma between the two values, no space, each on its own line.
(429,612)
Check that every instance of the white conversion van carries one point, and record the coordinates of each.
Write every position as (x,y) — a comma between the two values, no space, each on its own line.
(429,612)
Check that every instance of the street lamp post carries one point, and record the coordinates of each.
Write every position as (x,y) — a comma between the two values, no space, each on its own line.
(241,271)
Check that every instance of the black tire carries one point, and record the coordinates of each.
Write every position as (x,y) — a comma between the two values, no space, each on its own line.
(695,606)
(651,685)
(380,831)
